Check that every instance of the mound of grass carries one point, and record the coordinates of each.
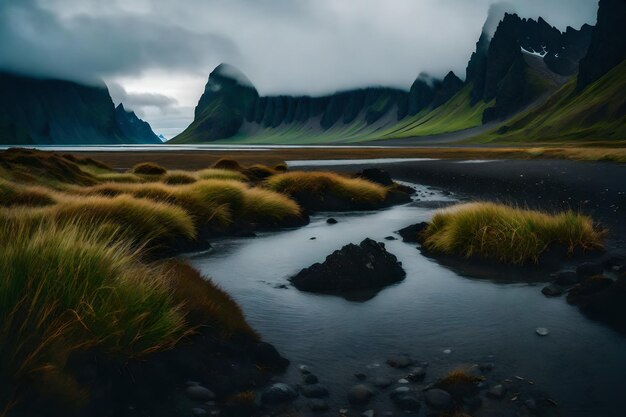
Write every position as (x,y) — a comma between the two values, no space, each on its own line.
(264,206)
(327,190)
(220,174)
(15,195)
(281,167)
(149,168)
(260,171)
(210,202)
(67,288)
(136,219)
(178,178)
(205,304)
(227,163)
(507,234)
(118,177)
(139,221)
(27,165)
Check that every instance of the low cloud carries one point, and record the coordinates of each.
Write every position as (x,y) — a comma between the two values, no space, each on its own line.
(140,102)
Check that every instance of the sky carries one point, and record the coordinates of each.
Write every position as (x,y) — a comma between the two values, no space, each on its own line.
(156,55)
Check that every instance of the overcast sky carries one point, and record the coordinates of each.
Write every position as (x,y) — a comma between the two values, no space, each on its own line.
(155,55)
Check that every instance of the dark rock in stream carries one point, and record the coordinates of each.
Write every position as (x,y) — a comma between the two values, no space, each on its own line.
(315,391)
(332,220)
(279,393)
(410,234)
(552,290)
(377,176)
(602,299)
(566,278)
(589,269)
(353,267)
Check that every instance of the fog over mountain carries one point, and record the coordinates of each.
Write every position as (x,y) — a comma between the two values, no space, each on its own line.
(156,54)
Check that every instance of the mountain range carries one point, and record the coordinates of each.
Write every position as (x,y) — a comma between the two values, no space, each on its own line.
(53,112)
(528,77)
(528,81)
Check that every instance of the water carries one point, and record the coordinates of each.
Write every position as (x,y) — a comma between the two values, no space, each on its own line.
(581,363)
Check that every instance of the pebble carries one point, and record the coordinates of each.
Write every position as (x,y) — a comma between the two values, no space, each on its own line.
(368,413)
(447,351)
(552,290)
(416,374)
(400,361)
(497,391)
(315,391)
(199,393)
(304,369)
(318,405)
(310,379)
(403,381)
(198,412)
(390,238)
(382,382)
(360,394)
(278,393)
(332,221)
(542,331)
(438,398)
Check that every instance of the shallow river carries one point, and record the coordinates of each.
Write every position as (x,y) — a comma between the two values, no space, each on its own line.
(434,315)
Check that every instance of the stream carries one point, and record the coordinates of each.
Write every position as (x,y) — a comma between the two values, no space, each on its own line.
(434,315)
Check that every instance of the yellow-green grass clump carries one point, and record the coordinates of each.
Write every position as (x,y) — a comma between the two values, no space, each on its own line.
(322,184)
(178,178)
(68,288)
(149,168)
(265,205)
(210,202)
(12,194)
(507,234)
(220,174)
(138,221)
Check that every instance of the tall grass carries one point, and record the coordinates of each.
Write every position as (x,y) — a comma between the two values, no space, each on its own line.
(12,194)
(139,221)
(327,183)
(210,202)
(220,174)
(66,288)
(265,205)
(508,234)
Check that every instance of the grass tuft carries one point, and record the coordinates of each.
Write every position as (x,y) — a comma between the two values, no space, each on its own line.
(220,174)
(178,178)
(227,163)
(264,205)
(508,234)
(326,186)
(67,288)
(149,168)
(12,194)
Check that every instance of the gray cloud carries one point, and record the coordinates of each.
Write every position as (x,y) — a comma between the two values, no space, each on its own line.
(87,47)
(140,102)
